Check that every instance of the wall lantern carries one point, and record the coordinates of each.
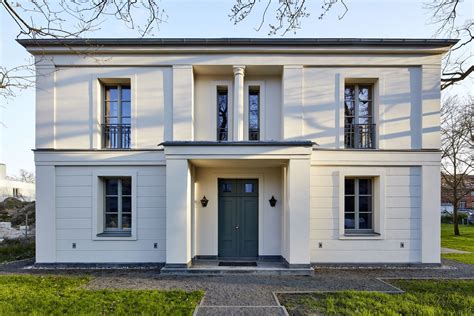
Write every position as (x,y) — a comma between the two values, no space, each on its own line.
(204,201)
(272,201)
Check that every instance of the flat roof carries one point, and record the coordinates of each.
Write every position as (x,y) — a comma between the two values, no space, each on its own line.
(301,42)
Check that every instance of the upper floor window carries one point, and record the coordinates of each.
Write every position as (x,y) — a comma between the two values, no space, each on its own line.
(117,116)
(222,113)
(359,130)
(254,113)
(358,205)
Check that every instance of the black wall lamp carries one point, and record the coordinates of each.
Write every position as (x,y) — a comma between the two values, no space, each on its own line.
(204,201)
(272,201)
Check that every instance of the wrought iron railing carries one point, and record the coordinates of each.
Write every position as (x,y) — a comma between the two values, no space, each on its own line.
(361,136)
(222,134)
(116,135)
(254,134)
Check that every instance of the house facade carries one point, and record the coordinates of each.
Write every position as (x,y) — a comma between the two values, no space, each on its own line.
(300,150)
(15,188)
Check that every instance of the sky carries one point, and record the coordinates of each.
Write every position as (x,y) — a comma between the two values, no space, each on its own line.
(209,18)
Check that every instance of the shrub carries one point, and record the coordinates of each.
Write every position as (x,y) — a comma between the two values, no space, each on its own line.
(17,249)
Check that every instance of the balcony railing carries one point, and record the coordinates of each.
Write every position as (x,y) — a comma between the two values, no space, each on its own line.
(222,134)
(361,136)
(116,136)
(254,134)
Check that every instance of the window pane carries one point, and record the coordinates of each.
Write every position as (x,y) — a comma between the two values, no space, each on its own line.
(365,186)
(254,108)
(111,204)
(226,187)
(126,186)
(111,221)
(111,93)
(349,204)
(365,221)
(126,221)
(126,204)
(349,222)
(111,186)
(126,93)
(248,188)
(111,109)
(364,93)
(126,109)
(222,109)
(349,186)
(365,204)
(349,104)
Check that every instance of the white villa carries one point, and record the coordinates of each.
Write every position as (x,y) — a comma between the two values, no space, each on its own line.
(302,151)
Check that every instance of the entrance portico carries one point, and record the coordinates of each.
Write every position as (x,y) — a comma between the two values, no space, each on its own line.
(197,231)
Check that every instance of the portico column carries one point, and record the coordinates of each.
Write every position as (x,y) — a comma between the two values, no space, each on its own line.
(178,213)
(239,102)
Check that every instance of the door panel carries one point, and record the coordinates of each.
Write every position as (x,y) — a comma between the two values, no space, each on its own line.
(238,218)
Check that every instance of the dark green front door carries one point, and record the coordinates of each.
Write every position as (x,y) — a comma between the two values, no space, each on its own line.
(238,218)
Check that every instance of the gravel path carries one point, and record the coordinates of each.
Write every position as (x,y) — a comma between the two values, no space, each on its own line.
(243,293)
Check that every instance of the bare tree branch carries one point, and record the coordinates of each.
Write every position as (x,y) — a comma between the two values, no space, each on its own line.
(288,14)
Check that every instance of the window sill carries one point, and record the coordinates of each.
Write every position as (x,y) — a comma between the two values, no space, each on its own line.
(114,236)
(361,236)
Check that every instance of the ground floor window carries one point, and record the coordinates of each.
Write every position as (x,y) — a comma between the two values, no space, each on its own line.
(118,205)
(358,205)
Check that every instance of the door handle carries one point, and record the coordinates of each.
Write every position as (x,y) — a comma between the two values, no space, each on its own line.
(236,227)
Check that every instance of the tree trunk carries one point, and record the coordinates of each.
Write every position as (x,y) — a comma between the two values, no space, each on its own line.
(456,220)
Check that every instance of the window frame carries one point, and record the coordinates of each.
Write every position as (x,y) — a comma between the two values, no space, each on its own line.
(261,84)
(221,87)
(251,88)
(378,201)
(356,195)
(357,84)
(120,229)
(98,205)
(105,118)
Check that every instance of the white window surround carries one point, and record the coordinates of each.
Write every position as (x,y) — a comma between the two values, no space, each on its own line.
(262,110)
(98,203)
(377,84)
(97,85)
(378,176)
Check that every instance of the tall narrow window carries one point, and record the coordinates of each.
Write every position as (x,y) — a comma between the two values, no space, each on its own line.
(359,127)
(254,113)
(222,113)
(358,205)
(118,205)
(117,119)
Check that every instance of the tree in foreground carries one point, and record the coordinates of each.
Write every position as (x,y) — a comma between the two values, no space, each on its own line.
(457,146)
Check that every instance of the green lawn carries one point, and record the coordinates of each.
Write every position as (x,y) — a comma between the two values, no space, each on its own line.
(422,297)
(55,295)
(464,242)
(11,250)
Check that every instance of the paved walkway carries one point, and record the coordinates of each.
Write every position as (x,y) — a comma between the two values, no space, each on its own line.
(254,294)
(449,250)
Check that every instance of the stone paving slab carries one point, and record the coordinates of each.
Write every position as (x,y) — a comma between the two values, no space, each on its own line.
(241,310)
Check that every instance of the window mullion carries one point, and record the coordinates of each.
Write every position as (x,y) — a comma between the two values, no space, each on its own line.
(356,207)
(119,206)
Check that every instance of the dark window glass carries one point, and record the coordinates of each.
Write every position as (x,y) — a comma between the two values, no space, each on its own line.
(226,187)
(254,113)
(222,113)
(349,186)
(118,204)
(349,222)
(349,204)
(365,186)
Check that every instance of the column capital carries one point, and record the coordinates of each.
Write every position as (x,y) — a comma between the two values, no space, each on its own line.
(239,70)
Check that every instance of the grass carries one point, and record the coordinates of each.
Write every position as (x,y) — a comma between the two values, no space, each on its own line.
(59,295)
(421,297)
(464,242)
(16,249)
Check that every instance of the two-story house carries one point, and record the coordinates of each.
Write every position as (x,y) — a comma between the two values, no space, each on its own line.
(299,150)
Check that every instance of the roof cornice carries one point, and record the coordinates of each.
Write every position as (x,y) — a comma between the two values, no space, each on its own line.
(228,45)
